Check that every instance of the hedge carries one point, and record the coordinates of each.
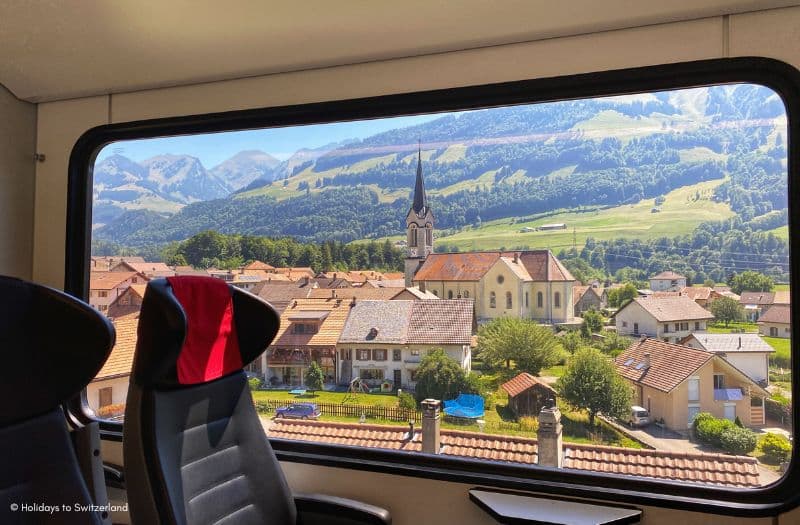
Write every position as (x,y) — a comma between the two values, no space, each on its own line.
(776,447)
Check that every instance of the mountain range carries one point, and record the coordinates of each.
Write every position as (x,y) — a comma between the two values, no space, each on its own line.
(479,165)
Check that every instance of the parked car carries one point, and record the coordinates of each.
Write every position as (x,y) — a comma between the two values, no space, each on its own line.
(299,411)
(639,417)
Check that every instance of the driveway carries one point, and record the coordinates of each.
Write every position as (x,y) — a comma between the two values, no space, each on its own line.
(669,440)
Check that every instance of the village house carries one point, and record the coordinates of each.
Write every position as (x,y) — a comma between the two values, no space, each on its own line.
(702,295)
(756,303)
(105,287)
(151,270)
(667,318)
(747,352)
(776,321)
(129,301)
(387,339)
(588,297)
(667,281)
(309,331)
(676,382)
(107,392)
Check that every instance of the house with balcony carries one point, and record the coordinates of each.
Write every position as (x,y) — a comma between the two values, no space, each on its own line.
(309,331)
(385,340)
(670,318)
(747,352)
(676,382)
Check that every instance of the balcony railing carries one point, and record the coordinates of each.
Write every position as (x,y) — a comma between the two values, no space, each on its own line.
(728,394)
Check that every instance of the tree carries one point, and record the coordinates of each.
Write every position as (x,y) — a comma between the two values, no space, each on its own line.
(439,377)
(727,309)
(619,296)
(315,377)
(591,382)
(750,281)
(592,323)
(528,344)
(571,341)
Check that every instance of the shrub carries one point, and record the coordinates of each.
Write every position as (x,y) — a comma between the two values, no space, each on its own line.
(710,430)
(702,416)
(529,424)
(407,401)
(738,422)
(255,383)
(775,447)
(738,441)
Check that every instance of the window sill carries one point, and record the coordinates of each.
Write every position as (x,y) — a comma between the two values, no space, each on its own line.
(508,507)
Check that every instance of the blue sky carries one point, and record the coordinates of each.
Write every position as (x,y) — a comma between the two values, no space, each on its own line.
(214,148)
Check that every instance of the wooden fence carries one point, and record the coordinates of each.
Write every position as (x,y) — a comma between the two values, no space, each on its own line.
(333,409)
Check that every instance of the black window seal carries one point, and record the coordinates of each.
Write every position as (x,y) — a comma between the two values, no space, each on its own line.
(776,75)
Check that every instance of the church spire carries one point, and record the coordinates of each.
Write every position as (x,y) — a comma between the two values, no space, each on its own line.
(420,199)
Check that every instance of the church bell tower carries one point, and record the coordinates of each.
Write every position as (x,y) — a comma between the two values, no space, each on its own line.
(419,227)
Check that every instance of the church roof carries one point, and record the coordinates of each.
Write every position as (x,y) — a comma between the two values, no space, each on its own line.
(540,265)
(420,205)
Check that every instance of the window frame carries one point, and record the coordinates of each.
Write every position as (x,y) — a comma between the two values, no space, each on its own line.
(776,75)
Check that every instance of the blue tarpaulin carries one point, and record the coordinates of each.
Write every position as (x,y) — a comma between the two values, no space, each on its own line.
(465,405)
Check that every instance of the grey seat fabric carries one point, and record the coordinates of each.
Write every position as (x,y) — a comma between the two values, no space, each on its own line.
(43,368)
(197,454)
(39,468)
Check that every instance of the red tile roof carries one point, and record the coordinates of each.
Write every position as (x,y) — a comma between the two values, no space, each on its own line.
(694,293)
(258,265)
(358,293)
(715,469)
(778,313)
(670,364)
(521,383)
(673,308)
(120,360)
(110,280)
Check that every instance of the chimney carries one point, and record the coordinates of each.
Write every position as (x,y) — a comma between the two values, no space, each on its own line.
(431,421)
(354,301)
(410,430)
(516,258)
(647,359)
(333,293)
(740,341)
(550,443)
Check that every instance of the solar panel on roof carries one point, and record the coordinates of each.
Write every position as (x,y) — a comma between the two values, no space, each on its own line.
(628,362)
(639,366)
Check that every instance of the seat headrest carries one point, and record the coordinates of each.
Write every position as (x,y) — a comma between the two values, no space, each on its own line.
(51,345)
(197,329)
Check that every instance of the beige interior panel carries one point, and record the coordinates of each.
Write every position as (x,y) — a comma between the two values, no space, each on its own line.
(64,49)
(17,147)
(60,125)
(666,43)
(774,34)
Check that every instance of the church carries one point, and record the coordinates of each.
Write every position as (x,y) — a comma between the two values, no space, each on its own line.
(530,284)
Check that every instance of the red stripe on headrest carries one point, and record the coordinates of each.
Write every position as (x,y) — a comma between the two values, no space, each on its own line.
(211,347)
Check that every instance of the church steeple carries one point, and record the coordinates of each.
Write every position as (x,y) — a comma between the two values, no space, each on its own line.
(420,204)
(419,226)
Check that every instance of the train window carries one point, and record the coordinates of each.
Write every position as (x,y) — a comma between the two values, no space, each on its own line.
(665,210)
